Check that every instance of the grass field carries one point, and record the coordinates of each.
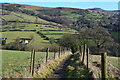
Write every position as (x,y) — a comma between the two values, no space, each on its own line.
(14,16)
(113,60)
(45,29)
(16,63)
(29,26)
(12,35)
(25,32)
(47,32)
(73,16)
(54,36)
(37,41)
(115,35)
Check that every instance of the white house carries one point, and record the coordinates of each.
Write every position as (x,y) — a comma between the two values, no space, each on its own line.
(25,42)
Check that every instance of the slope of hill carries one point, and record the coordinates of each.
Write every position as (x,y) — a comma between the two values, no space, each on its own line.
(69,17)
(27,17)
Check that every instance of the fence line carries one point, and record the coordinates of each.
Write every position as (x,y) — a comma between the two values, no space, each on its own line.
(101,68)
(87,59)
(92,66)
(47,58)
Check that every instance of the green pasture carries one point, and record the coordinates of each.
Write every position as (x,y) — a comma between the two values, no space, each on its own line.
(37,42)
(14,16)
(115,35)
(54,36)
(17,63)
(29,26)
(47,32)
(113,60)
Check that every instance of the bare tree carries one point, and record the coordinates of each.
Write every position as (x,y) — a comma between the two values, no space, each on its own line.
(100,36)
(84,35)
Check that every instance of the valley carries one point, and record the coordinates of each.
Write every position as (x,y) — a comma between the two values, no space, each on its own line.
(63,42)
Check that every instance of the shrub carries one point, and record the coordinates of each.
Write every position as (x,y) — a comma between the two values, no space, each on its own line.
(15,46)
(2,42)
(54,48)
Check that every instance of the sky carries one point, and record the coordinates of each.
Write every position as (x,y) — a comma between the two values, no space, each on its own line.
(83,4)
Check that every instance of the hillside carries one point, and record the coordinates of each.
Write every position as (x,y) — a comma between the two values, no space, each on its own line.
(53,23)
(68,17)
(22,24)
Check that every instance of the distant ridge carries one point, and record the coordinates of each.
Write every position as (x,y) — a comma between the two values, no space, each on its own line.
(24,5)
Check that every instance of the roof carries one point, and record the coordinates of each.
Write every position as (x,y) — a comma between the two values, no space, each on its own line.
(3,38)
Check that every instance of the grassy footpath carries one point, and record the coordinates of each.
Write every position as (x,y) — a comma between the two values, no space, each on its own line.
(48,69)
(75,69)
(65,68)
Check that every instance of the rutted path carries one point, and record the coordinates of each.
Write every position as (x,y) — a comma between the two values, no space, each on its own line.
(59,72)
(68,66)
(71,68)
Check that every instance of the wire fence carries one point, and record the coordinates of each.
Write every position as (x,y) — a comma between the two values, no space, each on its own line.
(95,63)
(47,57)
(93,66)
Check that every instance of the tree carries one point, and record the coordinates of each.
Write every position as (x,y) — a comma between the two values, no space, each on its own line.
(99,40)
(101,37)
(69,41)
(84,36)
(54,47)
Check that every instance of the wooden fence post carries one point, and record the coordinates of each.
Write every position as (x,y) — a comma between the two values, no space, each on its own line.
(87,57)
(81,51)
(33,63)
(103,66)
(47,52)
(54,55)
(84,51)
(59,52)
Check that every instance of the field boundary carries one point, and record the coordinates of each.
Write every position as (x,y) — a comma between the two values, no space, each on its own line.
(46,69)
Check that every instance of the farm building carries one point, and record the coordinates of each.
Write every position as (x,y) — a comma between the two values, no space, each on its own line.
(25,40)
